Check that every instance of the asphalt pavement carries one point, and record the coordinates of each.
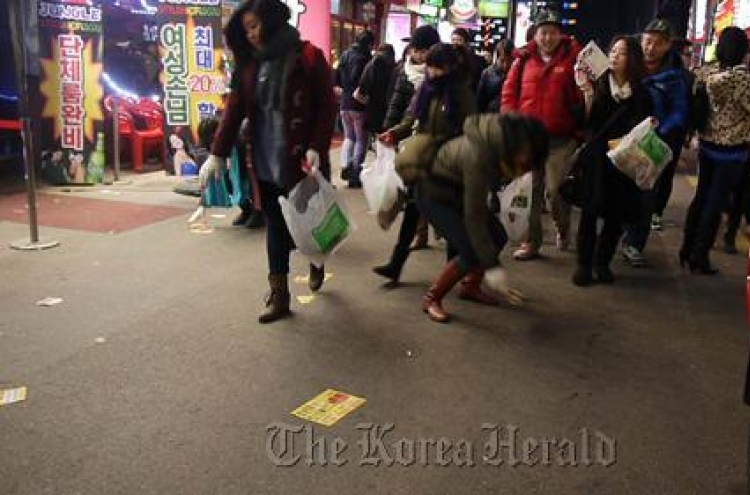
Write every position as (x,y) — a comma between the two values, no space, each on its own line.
(152,376)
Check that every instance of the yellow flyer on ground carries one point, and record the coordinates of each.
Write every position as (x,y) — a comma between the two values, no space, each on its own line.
(12,395)
(328,408)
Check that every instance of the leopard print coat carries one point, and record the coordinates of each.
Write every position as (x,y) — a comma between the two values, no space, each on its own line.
(729,94)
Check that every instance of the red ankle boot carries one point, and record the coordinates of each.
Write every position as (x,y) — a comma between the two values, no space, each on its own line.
(471,289)
(432,304)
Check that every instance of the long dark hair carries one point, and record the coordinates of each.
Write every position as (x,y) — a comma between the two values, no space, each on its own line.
(521,131)
(273,15)
(635,69)
(732,47)
(443,56)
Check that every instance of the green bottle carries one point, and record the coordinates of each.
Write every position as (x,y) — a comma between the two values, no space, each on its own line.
(97,161)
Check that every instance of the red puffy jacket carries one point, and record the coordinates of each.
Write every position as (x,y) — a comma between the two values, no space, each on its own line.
(547,91)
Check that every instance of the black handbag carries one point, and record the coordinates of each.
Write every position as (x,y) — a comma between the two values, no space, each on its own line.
(572,189)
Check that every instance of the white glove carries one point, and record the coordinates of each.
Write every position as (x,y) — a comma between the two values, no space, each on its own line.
(496,279)
(211,167)
(313,161)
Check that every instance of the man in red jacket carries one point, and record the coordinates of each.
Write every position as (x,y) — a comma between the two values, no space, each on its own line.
(541,84)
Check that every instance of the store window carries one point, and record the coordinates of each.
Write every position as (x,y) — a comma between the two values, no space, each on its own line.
(349,18)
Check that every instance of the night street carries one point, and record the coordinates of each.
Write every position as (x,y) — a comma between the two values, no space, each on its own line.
(152,376)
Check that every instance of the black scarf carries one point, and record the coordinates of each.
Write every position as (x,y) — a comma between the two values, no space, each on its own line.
(274,56)
(444,89)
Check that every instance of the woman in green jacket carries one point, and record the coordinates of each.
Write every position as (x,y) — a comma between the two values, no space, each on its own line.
(455,197)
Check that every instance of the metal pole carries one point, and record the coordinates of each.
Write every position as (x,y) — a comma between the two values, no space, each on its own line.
(25,83)
(116,139)
(28,156)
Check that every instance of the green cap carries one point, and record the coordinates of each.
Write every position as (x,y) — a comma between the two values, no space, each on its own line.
(548,16)
(660,26)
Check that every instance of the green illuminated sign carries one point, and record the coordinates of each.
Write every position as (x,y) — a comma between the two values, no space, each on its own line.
(493,8)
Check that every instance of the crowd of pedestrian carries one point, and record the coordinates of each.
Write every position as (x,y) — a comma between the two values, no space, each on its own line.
(466,129)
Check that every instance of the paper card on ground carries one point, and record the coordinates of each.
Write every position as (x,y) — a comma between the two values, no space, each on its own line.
(49,301)
(200,228)
(328,408)
(593,60)
(303,279)
(305,299)
(12,395)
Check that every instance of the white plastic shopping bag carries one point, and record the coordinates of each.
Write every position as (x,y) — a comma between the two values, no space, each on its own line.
(316,218)
(641,154)
(380,181)
(515,207)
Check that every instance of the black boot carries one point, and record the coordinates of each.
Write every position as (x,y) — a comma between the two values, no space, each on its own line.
(346,172)
(246,210)
(605,251)
(256,220)
(700,263)
(704,241)
(277,302)
(604,275)
(354,182)
(582,276)
(316,278)
(730,246)
(689,234)
(392,270)
(243,217)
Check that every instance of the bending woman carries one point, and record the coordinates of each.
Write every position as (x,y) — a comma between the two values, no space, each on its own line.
(454,196)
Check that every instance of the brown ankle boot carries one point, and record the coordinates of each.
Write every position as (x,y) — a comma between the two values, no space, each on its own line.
(277,302)
(432,304)
(471,289)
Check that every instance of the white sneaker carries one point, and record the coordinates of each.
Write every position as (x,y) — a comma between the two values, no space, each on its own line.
(633,256)
(656,223)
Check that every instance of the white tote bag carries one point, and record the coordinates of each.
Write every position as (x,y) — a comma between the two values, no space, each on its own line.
(380,181)
(515,207)
(316,217)
(641,155)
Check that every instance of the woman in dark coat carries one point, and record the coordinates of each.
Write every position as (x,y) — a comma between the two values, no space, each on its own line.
(723,151)
(618,101)
(375,87)
(283,86)
(438,108)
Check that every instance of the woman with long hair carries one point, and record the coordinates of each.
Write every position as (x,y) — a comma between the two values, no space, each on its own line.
(615,104)
(723,149)
(283,86)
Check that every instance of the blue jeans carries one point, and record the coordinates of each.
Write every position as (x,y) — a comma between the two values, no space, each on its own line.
(279,243)
(654,201)
(449,222)
(354,148)
(720,172)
